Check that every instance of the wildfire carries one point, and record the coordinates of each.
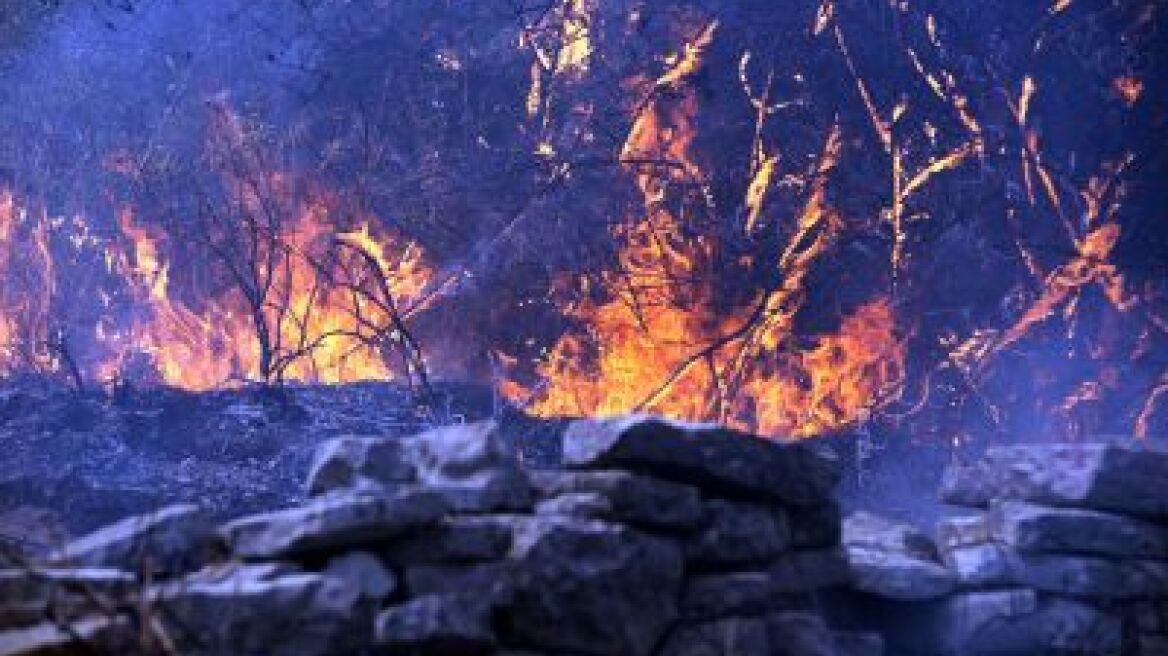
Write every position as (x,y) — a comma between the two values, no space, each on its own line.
(326,323)
(662,342)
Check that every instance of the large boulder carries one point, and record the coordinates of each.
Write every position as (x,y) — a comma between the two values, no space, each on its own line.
(711,456)
(1032,528)
(454,624)
(351,461)
(731,635)
(592,587)
(1095,476)
(1086,576)
(627,497)
(893,560)
(174,539)
(337,521)
(737,533)
(472,466)
(783,585)
(457,539)
(257,609)
(363,572)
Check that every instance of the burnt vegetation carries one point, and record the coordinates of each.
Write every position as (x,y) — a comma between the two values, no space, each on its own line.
(932,218)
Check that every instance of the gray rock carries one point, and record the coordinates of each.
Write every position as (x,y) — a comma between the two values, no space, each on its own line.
(1036,529)
(709,456)
(632,498)
(96,634)
(979,565)
(348,462)
(491,581)
(800,634)
(364,572)
(962,531)
(734,533)
(985,623)
(456,539)
(28,596)
(1018,622)
(1085,576)
(253,610)
(1152,645)
(896,576)
(712,596)
(1151,616)
(592,587)
(472,467)
(783,586)
(337,521)
(857,643)
(893,560)
(1096,476)
(437,624)
(815,527)
(808,571)
(174,539)
(732,635)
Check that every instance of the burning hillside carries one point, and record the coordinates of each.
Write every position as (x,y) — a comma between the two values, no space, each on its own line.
(922,217)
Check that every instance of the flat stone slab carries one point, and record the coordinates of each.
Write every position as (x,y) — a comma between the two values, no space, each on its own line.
(708,456)
(1093,476)
(257,609)
(1087,576)
(97,634)
(737,533)
(338,521)
(357,461)
(174,539)
(592,587)
(893,560)
(632,498)
(781,586)
(451,623)
(1031,528)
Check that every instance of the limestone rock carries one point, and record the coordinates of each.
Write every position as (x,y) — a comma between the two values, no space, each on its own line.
(438,624)
(251,609)
(782,586)
(893,560)
(962,531)
(1031,528)
(364,572)
(456,539)
(29,595)
(490,581)
(174,539)
(340,520)
(800,634)
(709,456)
(736,533)
(1095,476)
(96,634)
(349,462)
(815,527)
(1085,576)
(472,467)
(631,498)
(592,587)
(979,565)
(732,635)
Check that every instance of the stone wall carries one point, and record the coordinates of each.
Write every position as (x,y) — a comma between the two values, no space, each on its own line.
(654,537)
(1057,549)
